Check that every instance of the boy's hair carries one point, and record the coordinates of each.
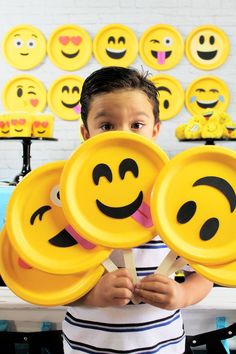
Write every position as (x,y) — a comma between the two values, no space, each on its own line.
(112,78)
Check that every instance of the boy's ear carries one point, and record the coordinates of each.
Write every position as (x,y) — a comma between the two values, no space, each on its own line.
(84,132)
(156,130)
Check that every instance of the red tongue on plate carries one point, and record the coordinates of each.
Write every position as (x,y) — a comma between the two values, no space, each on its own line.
(143,215)
(161,57)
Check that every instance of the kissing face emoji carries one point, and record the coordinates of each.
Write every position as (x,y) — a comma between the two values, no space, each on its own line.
(107,184)
(69,47)
(161,47)
(207,92)
(39,231)
(24,47)
(64,97)
(207,47)
(115,45)
(24,93)
(194,205)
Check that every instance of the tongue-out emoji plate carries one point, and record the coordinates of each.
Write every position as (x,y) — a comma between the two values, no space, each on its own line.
(106,186)
(39,231)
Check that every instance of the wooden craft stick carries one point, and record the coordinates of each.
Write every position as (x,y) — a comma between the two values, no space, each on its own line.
(170,264)
(130,265)
(109,265)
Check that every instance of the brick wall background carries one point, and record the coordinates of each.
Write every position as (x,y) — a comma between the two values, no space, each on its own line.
(46,15)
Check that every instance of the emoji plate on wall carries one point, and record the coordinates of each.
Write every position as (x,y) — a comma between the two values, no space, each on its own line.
(207,92)
(24,93)
(64,96)
(69,47)
(115,44)
(161,47)
(207,47)
(171,95)
(24,47)
(106,185)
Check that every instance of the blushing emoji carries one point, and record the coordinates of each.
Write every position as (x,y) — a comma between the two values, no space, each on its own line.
(116,45)
(207,92)
(64,96)
(170,95)
(38,287)
(161,47)
(24,47)
(194,205)
(207,47)
(39,231)
(24,93)
(4,125)
(69,47)
(20,124)
(110,178)
(43,125)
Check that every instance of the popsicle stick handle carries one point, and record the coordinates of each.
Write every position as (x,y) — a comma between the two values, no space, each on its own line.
(166,264)
(179,263)
(130,265)
(109,265)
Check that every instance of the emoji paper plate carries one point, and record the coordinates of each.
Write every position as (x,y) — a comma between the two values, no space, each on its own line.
(207,47)
(193,205)
(116,45)
(24,47)
(64,96)
(161,47)
(39,231)
(24,93)
(41,288)
(69,47)
(207,92)
(221,274)
(106,186)
(171,95)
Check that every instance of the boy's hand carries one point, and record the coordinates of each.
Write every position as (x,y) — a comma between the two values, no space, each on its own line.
(161,291)
(113,289)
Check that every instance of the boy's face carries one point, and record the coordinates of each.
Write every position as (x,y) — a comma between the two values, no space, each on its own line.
(125,110)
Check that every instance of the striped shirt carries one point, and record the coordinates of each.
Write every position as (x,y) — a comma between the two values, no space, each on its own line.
(141,329)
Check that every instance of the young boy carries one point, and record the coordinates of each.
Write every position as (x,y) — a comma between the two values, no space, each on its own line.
(105,321)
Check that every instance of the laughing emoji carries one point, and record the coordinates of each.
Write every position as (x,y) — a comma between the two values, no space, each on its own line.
(115,45)
(161,47)
(39,231)
(107,183)
(207,47)
(69,47)
(64,97)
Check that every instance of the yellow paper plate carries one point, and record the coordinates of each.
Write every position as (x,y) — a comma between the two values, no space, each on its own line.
(64,95)
(171,95)
(24,93)
(39,231)
(222,274)
(207,92)
(24,47)
(41,288)
(193,205)
(161,47)
(207,47)
(115,44)
(69,47)
(106,186)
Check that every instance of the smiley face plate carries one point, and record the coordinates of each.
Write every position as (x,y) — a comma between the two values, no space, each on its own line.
(39,231)
(38,287)
(207,47)
(107,183)
(193,205)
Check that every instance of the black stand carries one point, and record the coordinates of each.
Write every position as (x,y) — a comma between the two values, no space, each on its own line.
(26,143)
(207,141)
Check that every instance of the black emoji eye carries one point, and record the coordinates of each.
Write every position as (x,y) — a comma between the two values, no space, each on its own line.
(39,212)
(121,40)
(212,40)
(166,104)
(201,39)
(209,229)
(128,165)
(102,170)
(19,92)
(75,89)
(186,212)
(111,39)
(65,88)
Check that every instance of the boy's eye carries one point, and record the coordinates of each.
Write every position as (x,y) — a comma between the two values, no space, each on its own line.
(137,125)
(106,126)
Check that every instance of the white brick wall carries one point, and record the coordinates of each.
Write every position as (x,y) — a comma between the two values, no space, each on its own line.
(46,15)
